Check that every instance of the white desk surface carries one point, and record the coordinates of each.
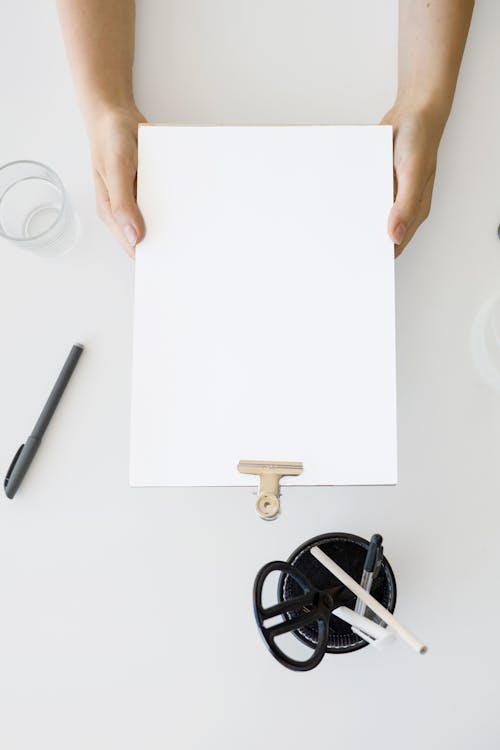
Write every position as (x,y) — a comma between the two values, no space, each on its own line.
(100,644)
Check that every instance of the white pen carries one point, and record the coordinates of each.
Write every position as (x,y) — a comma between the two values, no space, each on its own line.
(367,629)
(368,599)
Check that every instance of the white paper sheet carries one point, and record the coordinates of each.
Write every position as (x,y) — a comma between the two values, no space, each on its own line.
(264,305)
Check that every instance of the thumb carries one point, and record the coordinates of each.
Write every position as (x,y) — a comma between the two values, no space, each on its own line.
(411,181)
(120,182)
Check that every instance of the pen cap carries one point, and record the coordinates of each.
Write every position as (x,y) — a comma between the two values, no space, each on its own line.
(372,554)
(349,551)
(20,465)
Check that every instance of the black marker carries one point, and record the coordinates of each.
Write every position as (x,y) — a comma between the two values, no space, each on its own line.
(26,453)
(373,557)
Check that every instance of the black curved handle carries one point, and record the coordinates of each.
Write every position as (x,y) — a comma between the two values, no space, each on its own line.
(310,600)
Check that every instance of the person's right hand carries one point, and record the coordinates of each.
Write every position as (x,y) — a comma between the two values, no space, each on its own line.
(113,139)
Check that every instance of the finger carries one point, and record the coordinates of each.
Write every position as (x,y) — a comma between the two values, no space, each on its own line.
(120,181)
(423,213)
(103,206)
(412,179)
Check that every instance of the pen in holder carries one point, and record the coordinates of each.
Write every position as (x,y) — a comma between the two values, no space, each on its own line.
(270,472)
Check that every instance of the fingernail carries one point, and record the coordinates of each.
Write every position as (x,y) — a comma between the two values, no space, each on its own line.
(130,234)
(399,233)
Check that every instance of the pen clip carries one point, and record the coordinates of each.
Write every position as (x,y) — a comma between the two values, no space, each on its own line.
(365,628)
(378,561)
(378,642)
(11,467)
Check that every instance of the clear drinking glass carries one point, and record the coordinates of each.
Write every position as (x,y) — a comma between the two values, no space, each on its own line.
(35,212)
(485,342)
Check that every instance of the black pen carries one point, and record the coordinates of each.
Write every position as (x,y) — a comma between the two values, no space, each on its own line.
(373,558)
(24,456)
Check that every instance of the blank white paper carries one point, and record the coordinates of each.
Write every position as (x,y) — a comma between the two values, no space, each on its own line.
(264,305)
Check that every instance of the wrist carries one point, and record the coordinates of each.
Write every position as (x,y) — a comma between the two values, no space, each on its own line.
(431,105)
(428,116)
(101,111)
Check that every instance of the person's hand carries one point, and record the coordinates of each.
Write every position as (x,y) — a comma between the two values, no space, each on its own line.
(416,136)
(113,139)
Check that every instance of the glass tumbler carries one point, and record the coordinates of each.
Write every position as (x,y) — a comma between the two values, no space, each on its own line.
(485,342)
(35,212)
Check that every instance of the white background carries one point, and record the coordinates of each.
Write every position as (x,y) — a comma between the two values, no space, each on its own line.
(125,615)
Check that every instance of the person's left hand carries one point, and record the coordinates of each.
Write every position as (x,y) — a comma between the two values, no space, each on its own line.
(416,136)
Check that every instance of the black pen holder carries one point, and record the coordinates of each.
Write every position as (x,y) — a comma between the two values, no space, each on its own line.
(348,551)
(307,594)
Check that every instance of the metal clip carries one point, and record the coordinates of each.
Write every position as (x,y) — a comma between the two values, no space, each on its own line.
(270,472)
